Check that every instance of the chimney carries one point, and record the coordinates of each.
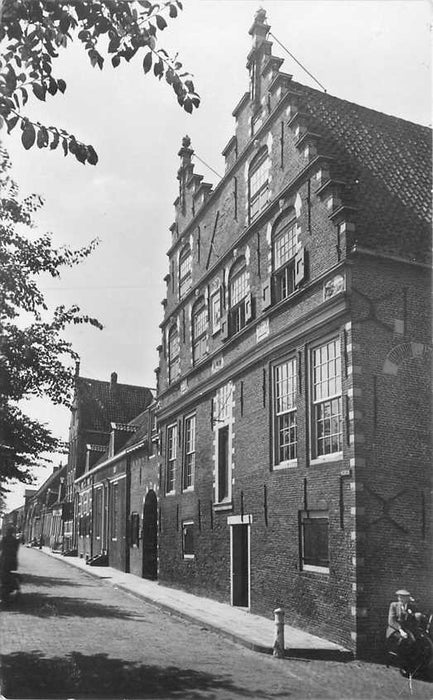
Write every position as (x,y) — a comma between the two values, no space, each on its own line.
(113,379)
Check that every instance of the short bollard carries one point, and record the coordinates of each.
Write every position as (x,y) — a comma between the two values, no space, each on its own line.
(278,651)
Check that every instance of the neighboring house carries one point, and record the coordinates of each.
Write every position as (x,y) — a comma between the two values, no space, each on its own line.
(117,513)
(96,405)
(295,364)
(43,524)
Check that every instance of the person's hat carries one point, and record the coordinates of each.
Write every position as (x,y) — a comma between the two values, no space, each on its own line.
(402,591)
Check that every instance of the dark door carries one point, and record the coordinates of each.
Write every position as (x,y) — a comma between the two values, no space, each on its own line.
(240,565)
(149,540)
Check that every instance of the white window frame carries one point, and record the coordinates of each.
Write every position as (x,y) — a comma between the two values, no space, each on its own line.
(329,392)
(199,332)
(173,354)
(312,515)
(284,404)
(223,419)
(190,434)
(216,309)
(238,295)
(187,523)
(185,271)
(171,461)
(258,185)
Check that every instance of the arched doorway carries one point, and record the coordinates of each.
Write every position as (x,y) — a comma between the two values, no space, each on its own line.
(150,517)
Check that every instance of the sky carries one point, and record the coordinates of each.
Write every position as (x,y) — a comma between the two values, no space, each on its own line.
(376,53)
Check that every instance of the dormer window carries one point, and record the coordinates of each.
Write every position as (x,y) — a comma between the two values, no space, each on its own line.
(258,183)
(185,270)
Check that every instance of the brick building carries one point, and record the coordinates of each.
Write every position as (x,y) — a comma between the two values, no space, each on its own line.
(295,364)
(116,516)
(96,405)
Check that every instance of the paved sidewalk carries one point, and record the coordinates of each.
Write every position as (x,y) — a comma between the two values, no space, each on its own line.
(252,631)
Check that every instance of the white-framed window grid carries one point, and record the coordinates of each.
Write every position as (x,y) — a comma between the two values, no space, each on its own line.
(258,185)
(173,354)
(285,414)
(284,249)
(238,296)
(189,463)
(171,458)
(215,306)
(185,271)
(199,332)
(223,442)
(114,510)
(327,400)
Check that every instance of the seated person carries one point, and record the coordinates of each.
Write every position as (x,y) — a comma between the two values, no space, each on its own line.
(403,621)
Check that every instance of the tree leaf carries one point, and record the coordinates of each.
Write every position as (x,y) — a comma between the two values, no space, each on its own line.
(147,62)
(39,91)
(160,22)
(92,156)
(61,85)
(115,61)
(173,11)
(28,136)
(55,142)
(11,123)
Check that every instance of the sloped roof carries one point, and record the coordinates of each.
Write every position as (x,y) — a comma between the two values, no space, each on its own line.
(391,160)
(101,403)
(141,423)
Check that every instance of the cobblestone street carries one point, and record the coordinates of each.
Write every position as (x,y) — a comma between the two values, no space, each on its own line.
(72,636)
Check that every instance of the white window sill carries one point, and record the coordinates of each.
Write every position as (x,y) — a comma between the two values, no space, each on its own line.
(324,459)
(315,569)
(290,464)
(170,493)
(189,489)
(189,556)
(223,505)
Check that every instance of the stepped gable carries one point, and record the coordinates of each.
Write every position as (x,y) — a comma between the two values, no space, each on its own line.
(388,163)
(104,402)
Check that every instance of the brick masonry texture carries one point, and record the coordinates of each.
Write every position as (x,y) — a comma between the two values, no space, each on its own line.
(359,217)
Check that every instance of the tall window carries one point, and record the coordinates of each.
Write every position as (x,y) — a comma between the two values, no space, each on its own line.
(199,330)
(327,404)
(173,354)
(285,430)
(188,539)
(284,250)
(315,541)
(98,513)
(185,270)
(171,458)
(114,510)
(189,465)
(223,464)
(258,183)
(240,299)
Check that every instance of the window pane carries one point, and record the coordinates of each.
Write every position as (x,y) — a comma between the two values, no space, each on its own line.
(188,539)
(315,531)
(285,412)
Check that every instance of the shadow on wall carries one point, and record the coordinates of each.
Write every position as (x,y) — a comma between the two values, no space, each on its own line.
(31,675)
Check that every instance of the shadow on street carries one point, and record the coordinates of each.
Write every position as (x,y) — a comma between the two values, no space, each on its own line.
(31,675)
(47,581)
(41,605)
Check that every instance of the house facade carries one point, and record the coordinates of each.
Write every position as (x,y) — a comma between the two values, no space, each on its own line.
(97,404)
(294,401)
(116,518)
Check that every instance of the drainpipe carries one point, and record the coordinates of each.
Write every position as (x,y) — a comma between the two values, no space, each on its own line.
(127,515)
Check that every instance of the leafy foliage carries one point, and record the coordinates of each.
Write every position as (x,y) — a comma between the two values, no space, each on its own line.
(33,32)
(35,360)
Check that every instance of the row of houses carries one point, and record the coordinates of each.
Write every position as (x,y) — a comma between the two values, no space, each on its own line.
(286,457)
